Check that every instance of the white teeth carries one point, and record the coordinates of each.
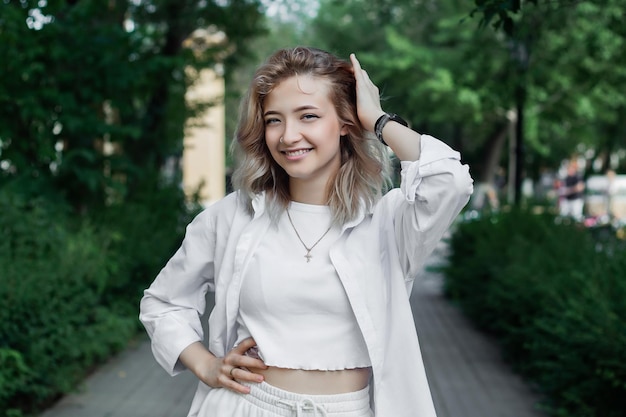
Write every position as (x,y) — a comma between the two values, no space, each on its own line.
(297,153)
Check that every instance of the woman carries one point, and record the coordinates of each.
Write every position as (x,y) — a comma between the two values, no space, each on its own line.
(310,263)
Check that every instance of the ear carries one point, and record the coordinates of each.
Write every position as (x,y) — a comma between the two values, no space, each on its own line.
(344,130)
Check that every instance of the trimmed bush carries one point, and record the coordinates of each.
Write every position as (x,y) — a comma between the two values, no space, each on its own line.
(51,324)
(70,288)
(556,299)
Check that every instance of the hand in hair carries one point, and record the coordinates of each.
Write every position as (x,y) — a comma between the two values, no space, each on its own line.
(367,96)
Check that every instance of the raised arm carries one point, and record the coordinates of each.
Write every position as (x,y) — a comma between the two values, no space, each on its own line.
(403,141)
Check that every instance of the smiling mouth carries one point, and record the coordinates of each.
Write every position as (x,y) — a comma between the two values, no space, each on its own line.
(297,153)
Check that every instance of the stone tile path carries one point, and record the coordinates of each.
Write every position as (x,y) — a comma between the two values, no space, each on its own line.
(467,375)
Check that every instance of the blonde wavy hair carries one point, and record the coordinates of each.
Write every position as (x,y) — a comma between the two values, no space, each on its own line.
(365,164)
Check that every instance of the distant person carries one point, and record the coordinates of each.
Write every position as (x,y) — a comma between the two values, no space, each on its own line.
(572,192)
(485,198)
(611,190)
(310,263)
(545,185)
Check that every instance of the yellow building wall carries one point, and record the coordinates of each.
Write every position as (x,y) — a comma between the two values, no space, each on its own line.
(203,153)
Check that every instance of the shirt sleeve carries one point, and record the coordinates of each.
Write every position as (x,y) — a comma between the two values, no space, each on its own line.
(433,191)
(171,307)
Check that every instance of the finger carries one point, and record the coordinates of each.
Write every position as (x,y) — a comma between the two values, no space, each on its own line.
(249,362)
(238,358)
(233,358)
(359,73)
(233,385)
(252,359)
(244,374)
(244,345)
(355,62)
(230,373)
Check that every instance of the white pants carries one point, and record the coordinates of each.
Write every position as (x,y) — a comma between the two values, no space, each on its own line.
(572,208)
(266,400)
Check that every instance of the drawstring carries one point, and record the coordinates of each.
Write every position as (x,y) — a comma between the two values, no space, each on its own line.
(305,405)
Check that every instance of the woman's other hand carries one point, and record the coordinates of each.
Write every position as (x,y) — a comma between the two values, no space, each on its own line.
(226,372)
(367,96)
(403,141)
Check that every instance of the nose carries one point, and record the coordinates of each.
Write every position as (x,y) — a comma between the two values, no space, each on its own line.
(292,133)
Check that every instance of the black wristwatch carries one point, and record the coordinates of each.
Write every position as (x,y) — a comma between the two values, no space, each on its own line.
(382,121)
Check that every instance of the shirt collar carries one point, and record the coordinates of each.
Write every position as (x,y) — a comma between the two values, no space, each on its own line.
(259,203)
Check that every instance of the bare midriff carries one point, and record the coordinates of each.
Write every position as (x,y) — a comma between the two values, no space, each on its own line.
(316,382)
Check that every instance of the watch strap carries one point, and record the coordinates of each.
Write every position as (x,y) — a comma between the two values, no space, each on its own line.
(382,121)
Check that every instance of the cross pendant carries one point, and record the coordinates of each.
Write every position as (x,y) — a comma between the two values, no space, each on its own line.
(308,257)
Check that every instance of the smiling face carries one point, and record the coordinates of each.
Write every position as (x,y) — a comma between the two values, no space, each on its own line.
(299,111)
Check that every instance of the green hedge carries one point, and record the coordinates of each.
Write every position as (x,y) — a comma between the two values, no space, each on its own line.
(555,296)
(70,289)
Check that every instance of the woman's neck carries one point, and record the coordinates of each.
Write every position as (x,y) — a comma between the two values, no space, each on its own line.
(308,193)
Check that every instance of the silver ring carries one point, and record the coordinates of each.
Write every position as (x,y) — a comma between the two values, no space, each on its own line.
(281,139)
(231,372)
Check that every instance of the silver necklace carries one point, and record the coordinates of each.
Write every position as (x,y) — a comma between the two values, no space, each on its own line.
(308,255)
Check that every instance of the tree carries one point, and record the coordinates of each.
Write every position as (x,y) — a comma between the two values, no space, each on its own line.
(453,78)
(92,95)
(423,57)
(500,13)
(574,90)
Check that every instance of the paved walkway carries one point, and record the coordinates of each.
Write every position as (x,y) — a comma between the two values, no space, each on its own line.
(467,375)
(466,372)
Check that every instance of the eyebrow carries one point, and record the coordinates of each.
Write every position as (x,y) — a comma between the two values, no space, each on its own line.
(296,110)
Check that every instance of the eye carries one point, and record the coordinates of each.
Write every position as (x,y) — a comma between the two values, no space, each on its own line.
(309,116)
(271,121)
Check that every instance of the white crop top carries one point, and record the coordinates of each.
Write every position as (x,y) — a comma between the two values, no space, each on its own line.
(297,311)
